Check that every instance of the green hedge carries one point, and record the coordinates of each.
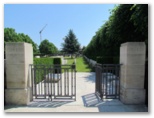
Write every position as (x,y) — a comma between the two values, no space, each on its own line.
(107,60)
(57,61)
(123,25)
(40,72)
(43,61)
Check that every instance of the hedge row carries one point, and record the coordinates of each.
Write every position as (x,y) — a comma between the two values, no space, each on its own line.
(46,61)
(40,73)
(107,60)
(127,23)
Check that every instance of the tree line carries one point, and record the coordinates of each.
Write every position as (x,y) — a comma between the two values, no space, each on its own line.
(10,35)
(127,23)
(44,48)
(70,45)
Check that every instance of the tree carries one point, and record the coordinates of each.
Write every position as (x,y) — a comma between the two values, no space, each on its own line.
(26,38)
(71,44)
(124,25)
(10,35)
(47,47)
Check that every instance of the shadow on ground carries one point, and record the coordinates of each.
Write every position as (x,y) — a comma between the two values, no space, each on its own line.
(50,104)
(110,105)
(40,104)
(91,77)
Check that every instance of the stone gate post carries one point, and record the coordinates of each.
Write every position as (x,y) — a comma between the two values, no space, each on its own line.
(18,58)
(132,58)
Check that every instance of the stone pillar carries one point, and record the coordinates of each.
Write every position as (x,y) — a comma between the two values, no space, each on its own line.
(18,58)
(132,58)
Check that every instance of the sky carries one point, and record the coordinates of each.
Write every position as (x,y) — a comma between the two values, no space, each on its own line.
(83,19)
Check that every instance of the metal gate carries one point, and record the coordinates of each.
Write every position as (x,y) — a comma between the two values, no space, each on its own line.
(107,81)
(52,82)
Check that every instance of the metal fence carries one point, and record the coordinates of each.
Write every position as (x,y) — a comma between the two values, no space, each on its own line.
(52,82)
(107,80)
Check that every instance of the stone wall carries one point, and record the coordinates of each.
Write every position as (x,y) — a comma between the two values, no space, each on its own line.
(132,58)
(90,61)
(18,58)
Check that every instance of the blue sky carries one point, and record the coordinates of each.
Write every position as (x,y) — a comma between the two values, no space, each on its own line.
(83,19)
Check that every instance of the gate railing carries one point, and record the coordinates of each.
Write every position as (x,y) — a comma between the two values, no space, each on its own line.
(107,80)
(98,80)
(53,81)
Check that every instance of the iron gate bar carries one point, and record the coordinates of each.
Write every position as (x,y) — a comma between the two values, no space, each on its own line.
(32,79)
(98,80)
(35,82)
(68,82)
(71,82)
(74,66)
(44,80)
(107,80)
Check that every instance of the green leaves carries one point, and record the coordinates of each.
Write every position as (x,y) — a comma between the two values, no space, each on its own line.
(127,23)
(43,61)
(47,47)
(10,35)
(71,44)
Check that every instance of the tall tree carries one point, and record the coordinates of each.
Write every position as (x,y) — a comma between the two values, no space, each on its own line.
(26,38)
(71,44)
(47,47)
(127,23)
(10,35)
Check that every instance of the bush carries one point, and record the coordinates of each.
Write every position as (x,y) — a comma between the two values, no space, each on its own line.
(104,60)
(124,25)
(43,61)
(57,61)
(107,60)
(116,60)
(40,72)
(57,64)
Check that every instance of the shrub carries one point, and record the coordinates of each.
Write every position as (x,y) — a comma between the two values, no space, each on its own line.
(57,61)
(43,61)
(104,60)
(107,60)
(40,72)
(116,60)
(57,64)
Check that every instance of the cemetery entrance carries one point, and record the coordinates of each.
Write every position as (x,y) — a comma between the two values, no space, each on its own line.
(107,81)
(53,82)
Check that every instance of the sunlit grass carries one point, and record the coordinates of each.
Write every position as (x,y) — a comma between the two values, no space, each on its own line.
(81,65)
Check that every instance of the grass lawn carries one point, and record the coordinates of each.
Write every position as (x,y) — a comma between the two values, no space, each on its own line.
(69,60)
(81,64)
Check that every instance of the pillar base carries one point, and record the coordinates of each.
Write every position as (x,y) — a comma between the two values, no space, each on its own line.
(132,96)
(17,96)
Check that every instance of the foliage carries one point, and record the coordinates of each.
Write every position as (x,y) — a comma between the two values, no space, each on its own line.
(47,47)
(107,60)
(40,73)
(57,66)
(57,61)
(45,61)
(127,23)
(71,44)
(10,35)
(140,19)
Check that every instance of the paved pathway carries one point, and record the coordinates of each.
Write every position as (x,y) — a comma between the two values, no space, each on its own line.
(86,101)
